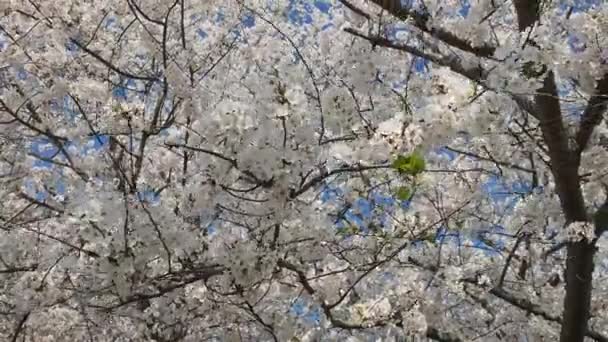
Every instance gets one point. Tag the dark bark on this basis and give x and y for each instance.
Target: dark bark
(20, 326)
(420, 21)
(527, 13)
(565, 159)
(593, 114)
(564, 164)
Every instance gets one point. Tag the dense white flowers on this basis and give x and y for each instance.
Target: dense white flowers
(579, 231)
(297, 170)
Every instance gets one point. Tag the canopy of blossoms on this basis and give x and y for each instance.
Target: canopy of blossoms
(294, 170)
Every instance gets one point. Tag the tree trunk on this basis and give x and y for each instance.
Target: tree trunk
(564, 158)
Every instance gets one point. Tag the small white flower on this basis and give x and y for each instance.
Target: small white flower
(414, 321)
(579, 231)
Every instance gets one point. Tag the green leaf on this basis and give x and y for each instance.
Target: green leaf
(430, 237)
(403, 193)
(459, 224)
(531, 69)
(348, 230)
(399, 163)
(411, 164)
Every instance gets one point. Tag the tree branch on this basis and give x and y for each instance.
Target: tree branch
(20, 326)
(579, 264)
(528, 13)
(421, 20)
(592, 115)
(432, 332)
(519, 302)
(318, 179)
(355, 9)
(110, 65)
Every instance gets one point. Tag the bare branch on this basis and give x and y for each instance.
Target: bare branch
(420, 20)
(593, 114)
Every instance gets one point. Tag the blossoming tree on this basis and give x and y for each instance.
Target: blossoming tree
(192, 170)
